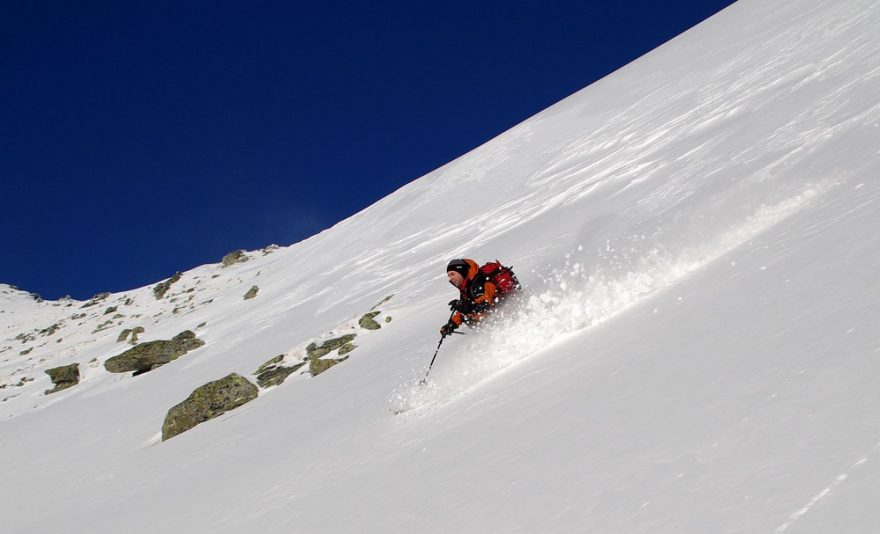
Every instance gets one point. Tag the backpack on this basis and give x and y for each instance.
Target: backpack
(502, 277)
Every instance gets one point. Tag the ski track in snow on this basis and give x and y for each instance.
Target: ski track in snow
(826, 492)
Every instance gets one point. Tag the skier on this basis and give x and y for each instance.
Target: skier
(480, 290)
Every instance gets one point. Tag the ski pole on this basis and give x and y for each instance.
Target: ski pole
(430, 365)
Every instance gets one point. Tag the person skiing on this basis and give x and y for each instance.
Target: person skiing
(480, 290)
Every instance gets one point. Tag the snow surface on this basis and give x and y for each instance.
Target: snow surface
(697, 351)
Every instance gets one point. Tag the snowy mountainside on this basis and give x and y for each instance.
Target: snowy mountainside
(697, 350)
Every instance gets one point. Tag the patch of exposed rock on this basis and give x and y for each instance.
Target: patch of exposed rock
(314, 351)
(252, 292)
(207, 402)
(161, 288)
(318, 366)
(272, 373)
(152, 354)
(134, 332)
(236, 256)
(63, 377)
(368, 321)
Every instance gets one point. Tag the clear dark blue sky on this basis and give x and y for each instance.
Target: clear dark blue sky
(138, 139)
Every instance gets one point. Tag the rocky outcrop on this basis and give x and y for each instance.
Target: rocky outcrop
(207, 402)
(345, 349)
(270, 364)
(272, 373)
(130, 331)
(96, 299)
(152, 354)
(63, 377)
(314, 351)
(51, 329)
(368, 321)
(276, 376)
(252, 292)
(123, 335)
(161, 288)
(236, 256)
(318, 366)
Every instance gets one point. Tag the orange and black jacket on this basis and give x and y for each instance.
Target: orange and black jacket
(479, 292)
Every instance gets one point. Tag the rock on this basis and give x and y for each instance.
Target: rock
(383, 301)
(109, 310)
(388, 319)
(272, 373)
(269, 249)
(252, 292)
(161, 288)
(317, 366)
(276, 375)
(134, 334)
(152, 354)
(270, 364)
(51, 330)
(63, 377)
(25, 352)
(123, 335)
(236, 256)
(207, 402)
(186, 334)
(96, 299)
(328, 346)
(103, 326)
(345, 349)
(368, 322)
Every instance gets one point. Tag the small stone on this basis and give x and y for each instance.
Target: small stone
(252, 292)
(368, 321)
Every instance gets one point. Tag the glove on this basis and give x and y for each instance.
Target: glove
(462, 306)
(448, 329)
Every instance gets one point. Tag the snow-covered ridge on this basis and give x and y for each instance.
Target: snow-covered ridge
(696, 351)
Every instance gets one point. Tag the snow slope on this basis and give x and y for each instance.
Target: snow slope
(698, 351)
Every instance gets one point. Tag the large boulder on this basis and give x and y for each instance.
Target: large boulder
(63, 377)
(207, 402)
(152, 354)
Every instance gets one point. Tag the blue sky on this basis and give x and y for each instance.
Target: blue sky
(138, 139)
